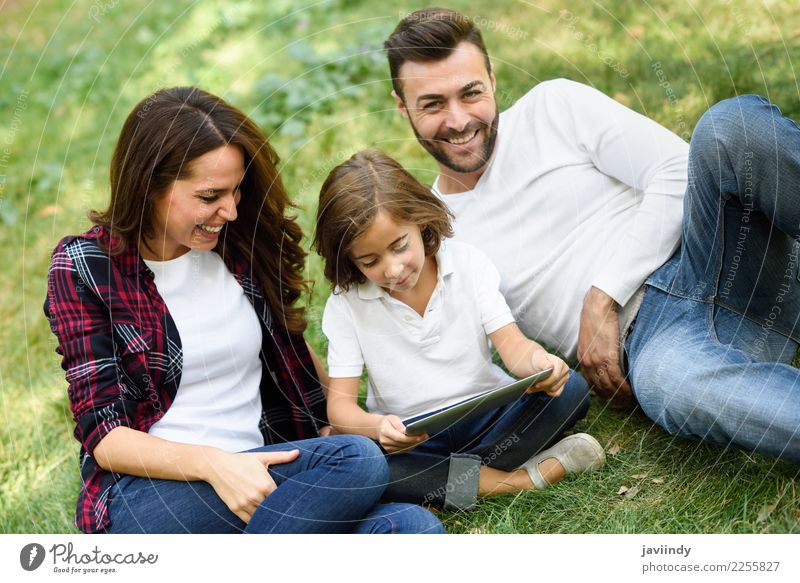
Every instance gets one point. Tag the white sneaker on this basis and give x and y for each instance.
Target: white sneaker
(579, 453)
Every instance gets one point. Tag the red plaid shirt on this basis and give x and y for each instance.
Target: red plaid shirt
(123, 360)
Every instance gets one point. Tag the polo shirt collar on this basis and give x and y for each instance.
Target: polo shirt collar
(371, 291)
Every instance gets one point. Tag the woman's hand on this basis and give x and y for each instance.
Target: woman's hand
(242, 481)
(392, 436)
(554, 384)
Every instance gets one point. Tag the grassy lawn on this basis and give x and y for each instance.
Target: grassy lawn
(312, 75)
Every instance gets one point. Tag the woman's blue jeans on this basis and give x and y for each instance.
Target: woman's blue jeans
(711, 348)
(444, 470)
(333, 486)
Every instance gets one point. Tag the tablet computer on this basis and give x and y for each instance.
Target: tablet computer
(436, 421)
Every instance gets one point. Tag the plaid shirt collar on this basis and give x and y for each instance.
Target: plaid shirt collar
(130, 261)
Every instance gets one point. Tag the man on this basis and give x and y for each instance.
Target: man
(580, 201)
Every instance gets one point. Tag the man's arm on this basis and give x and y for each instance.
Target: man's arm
(648, 158)
(637, 152)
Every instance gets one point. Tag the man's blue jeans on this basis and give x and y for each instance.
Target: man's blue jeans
(444, 470)
(711, 348)
(333, 486)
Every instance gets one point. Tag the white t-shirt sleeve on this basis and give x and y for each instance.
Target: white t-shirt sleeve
(493, 307)
(638, 152)
(345, 359)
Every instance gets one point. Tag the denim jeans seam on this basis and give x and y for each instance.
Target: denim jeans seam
(712, 331)
(392, 524)
(712, 336)
(775, 327)
(678, 294)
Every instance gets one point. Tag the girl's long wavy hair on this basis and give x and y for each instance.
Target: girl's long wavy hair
(161, 138)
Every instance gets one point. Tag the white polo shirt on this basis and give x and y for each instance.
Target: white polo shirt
(419, 363)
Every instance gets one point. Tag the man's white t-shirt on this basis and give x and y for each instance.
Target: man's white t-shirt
(418, 364)
(580, 192)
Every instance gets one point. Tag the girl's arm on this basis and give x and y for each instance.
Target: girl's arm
(524, 357)
(347, 417)
(324, 381)
(239, 479)
(322, 374)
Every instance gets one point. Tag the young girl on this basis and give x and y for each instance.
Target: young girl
(417, 312)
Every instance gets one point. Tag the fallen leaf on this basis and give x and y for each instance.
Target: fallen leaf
(631, 493)
(622, 490)
(658, 480)
(639, 476)
(614, 449)
(764, 514)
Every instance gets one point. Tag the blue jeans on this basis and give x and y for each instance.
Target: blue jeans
(444, 470)
(711, 348)
(333, 486)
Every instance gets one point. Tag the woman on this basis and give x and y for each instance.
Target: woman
(181, 343)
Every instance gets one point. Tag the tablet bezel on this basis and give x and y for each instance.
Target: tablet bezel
(436, 421)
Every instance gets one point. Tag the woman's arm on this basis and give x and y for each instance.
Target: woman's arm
(239, 479)
(347, 417)
(524, 357)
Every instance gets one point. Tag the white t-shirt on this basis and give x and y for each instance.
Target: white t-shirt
(419, 363)
(581, 191)
(218, 402)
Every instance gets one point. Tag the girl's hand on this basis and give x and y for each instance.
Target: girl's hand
(242, 481)
(554, 384)
(392, 436)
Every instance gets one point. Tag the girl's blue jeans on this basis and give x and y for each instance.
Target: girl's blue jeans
(333, 486)
(444, 470)
(711, 348)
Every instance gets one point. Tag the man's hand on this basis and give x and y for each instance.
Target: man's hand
(598, 346)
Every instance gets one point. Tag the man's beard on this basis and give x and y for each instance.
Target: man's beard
(436, 148)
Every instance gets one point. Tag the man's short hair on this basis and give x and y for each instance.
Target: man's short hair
(427, 35)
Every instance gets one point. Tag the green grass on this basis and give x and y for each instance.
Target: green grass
(312, 76)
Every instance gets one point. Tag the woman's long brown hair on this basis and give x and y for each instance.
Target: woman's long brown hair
(161, 137)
